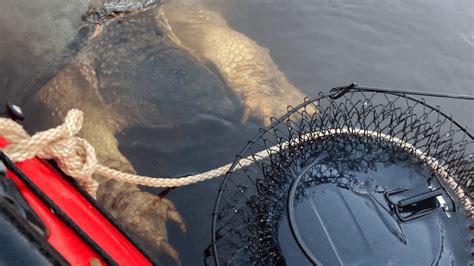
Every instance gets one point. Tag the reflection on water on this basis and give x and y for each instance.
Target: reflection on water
(318, 44)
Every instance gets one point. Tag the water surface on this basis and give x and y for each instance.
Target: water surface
(412, 45)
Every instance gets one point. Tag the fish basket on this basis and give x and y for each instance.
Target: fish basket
(355, 176)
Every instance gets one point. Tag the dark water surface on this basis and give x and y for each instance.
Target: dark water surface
(34, 40)
(412, 45)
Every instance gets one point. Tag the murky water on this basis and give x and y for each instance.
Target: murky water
(413, 45)
(417, 45)
(34, 36)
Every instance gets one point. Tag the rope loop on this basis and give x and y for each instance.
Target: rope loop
(75, 156)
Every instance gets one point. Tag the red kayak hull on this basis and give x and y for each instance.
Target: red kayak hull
(77, 207)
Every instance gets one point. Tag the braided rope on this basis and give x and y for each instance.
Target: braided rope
(76, 157)
(430, 161)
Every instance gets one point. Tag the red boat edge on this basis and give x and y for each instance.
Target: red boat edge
(75, 226)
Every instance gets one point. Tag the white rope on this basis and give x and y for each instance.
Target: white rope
(76, 157)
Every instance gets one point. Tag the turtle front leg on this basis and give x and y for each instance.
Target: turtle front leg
(145, 215)
(250, 71)
(245, 66)
(142, 213)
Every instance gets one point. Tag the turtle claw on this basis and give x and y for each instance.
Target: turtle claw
(170, 212)
(145, 215)
(265, 107)
(170, 251)
(246, 115)
(177, 218)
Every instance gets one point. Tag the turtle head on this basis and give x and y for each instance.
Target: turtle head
(100, 11)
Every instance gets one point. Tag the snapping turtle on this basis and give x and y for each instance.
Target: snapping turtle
(159, 65)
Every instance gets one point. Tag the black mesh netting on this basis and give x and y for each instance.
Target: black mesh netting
(374, 178)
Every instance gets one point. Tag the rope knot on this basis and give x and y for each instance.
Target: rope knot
(74, 155)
